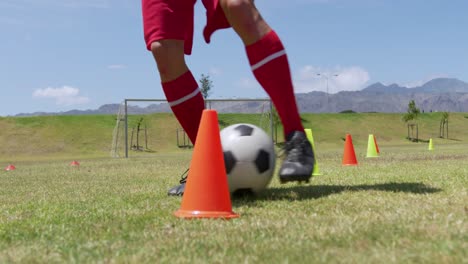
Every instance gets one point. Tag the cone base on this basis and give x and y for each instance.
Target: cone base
(316, 171)
(372, 156)
(204, 214)
(349, 164)
(10, 168)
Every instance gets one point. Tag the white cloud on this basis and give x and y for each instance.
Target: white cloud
(310, 78)
(116, 66)
(65, 95)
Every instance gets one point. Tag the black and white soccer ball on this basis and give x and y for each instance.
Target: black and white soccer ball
(249, 157)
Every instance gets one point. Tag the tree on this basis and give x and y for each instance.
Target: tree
(443, 122)
(412, 112)
(206, 85)
(412, 115)
(138, 129)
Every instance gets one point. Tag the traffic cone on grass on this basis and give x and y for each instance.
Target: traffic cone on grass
(206, 192)
(316, 171)
(376, 145)
(10, 167)
(74, 163)
(372, 147)
(431, 145)
(349, 156)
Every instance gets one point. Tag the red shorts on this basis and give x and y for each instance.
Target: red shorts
(173, 19)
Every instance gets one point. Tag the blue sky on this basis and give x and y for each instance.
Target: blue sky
(58, 55)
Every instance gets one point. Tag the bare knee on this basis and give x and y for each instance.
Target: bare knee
(237, 8)
(245, 19)
(170, 58)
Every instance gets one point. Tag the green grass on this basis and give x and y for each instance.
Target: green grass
(72, 137)
(55, 136)
(407, 206)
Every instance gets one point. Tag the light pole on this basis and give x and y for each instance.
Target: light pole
(328, 94)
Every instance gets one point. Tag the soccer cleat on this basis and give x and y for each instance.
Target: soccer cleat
(178, 190)
(299, 162)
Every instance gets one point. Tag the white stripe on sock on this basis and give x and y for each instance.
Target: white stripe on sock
(185, 98)
(268, 59)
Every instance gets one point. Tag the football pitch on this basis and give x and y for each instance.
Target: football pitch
(407, 206)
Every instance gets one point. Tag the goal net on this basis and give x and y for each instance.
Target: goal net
(146, 126)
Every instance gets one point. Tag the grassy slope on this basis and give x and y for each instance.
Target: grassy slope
(91, 136)
(55, 136)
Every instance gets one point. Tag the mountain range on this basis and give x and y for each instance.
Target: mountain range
(441, 94)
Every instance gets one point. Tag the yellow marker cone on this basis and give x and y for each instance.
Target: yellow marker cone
(431, 145)
(371, 148)
(316, 171)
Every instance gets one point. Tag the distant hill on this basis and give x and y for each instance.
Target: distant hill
(106, 109)
(441, 94)
(436, 86)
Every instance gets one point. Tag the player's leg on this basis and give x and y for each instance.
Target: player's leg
(168, 28)
(180, 87)
(270, 66)
(181, 90)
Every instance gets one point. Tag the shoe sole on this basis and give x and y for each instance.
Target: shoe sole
(175, 194)
(297, 178)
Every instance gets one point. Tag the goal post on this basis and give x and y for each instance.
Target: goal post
(258, 112)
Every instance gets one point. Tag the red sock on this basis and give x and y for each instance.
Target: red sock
(186, 101)
(270, 66)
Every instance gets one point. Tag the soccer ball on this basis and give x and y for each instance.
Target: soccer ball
(249, 157)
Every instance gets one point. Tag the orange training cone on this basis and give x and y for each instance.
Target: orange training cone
(206, 192)
(74, 163)
(349, 156)
(10, 167)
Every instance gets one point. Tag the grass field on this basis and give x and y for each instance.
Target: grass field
(407, 206)
(72, 137)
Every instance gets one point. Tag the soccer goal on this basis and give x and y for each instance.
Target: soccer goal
(145, 126)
